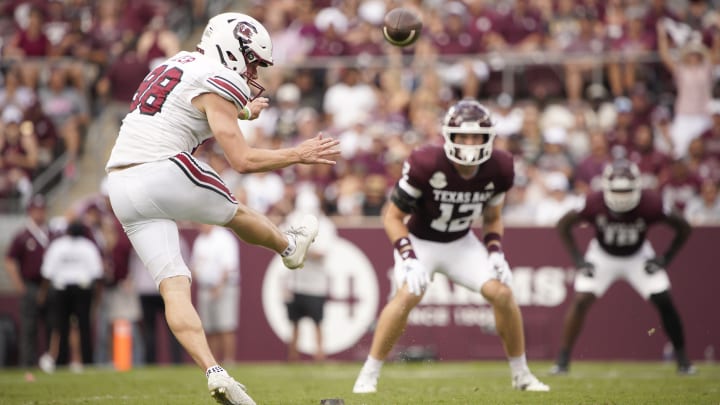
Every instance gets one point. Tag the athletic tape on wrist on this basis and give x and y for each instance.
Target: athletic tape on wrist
(493, 237)
(247, 113)
(404, 248)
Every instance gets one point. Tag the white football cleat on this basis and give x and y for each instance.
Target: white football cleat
(366, 383)
(526, 381)
(225, 390)
(304, 234)
(47, 363)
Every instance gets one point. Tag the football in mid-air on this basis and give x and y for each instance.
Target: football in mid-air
(402, 26)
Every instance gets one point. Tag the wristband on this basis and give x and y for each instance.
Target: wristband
(247, 113)
(493, 237)
(404, 248)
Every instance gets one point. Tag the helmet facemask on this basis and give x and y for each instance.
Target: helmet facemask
(469, 154)
(468, 117)
(251, 57)
(621, 188)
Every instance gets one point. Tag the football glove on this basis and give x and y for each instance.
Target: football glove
(416, 277)
(585, 268)
(655, 264)
(501, 267)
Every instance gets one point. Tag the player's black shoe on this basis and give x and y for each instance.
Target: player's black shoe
(686, 369)
(559, 369)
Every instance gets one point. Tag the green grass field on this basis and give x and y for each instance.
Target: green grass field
(426, 383)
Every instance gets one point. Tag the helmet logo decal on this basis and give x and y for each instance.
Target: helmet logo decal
(438, 180)
(244, 31)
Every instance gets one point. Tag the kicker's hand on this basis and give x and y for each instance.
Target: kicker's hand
(256, 106)
(416, 277)
(501, 267)
(318, 150)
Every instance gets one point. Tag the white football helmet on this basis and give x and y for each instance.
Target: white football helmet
(236, 40)
(621, 185)
(468, 117)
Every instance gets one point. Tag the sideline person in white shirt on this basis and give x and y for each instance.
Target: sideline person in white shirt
(72, 265)
(216, 269)
(307, 290)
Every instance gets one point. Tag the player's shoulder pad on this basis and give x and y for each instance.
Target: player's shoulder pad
(425, 153)
(227, 84)
(425, 157)
(503, 157)
(503, 165)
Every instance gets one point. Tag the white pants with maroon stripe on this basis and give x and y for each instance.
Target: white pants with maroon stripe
(149, 198)
(609, 268)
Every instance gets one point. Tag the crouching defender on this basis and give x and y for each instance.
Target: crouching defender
(443, 190)
(621, 214)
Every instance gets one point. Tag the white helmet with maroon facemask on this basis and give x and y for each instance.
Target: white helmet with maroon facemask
(237, 40)
(468, 117)
(621, 185)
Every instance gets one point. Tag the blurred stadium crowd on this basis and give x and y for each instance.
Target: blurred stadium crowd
(59, 70)
(571, 83)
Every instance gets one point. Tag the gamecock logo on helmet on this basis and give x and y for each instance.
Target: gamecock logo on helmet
(244, 31)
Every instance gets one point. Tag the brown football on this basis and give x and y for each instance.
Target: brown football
(402, 26)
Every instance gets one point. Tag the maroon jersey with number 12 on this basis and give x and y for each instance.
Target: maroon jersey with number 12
(446, 203)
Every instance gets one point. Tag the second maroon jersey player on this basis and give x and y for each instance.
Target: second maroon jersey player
(621, 215)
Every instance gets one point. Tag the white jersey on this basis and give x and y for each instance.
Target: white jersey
(162, 121)
(72, 261)
(214, 254)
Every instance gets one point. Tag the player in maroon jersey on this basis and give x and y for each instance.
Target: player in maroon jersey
(621, 214)
(443, 190)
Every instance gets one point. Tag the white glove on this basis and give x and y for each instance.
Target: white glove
(415, 276)
(501, 267)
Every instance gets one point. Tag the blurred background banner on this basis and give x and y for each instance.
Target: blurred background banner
(453, 324)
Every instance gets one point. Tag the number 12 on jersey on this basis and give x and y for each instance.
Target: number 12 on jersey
(446, 223)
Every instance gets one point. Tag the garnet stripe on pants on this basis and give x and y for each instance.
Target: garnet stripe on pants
(205, 171)
(201, 177)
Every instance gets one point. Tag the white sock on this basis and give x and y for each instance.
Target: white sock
(290, 249)
(518, 364)
(373, 365)
(215, 369)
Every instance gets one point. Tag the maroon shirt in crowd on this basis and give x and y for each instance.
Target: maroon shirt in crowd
(33, 47)
(679, 185)
(125, 74)
(711, 139)
(519, 23)
(27, 249)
